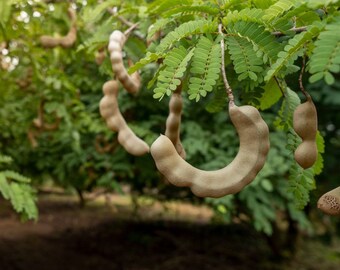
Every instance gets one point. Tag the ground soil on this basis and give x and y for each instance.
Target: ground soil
(155, 236)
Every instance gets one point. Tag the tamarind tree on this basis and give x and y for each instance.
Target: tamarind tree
(272, 51)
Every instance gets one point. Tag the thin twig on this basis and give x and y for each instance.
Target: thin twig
(295, 29)
(132, 27)
(302, 88)
(224, 75)
(279, 85)
(125, 21)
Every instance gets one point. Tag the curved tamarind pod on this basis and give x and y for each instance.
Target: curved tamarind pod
(305, 123)
(115, 47)
(49, 41)
(329, 203)
(66, 41)
(109, 110)
(173, 122)
(69, 40)
(253, 150)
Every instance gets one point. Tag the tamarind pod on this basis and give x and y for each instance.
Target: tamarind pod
(329, 203)
(49, 42)
(305, 124)
(254, 147)
(116, 43)
(109, 110)
(69, 40)
(173, 122)
(132, 144)
(117, 37)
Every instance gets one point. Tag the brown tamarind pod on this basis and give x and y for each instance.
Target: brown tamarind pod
(253, 150)
(66, 41)
(173, 122)
(305, 123)
(49, 41)
(109, 110)
(115, 47)
(329, 203)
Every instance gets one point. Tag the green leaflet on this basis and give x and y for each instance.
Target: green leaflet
(284, 119)
(325, 59)
(159, 6)
(187, 9)
(184, 30)
(320, 142)
(169, 78)
(249, 15)
(292, 50)
(264, 43)
(271, 95)
(246, 62)
(301, 182)
(14, 187)
(321, 3)
(206, 67)
(277, 9)
(157, 26)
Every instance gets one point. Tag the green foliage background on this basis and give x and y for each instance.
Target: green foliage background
(265, 44)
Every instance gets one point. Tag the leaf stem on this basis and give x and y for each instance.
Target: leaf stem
(224, 75)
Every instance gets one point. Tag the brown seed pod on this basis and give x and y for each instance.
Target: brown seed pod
(115, 47)
(329, 203)
(173, 121)
(109, 110)
(305, 124)
(254, 147)
(66, 41)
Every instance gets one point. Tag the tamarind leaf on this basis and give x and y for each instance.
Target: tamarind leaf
(175, 65)
(325, 56)
(186, 29)
(319, 164)
(292, 51)
(15, 176)
(244, 58)
(4, 187)
(159, 6)
(205, 67)
(278, 8)
(271, 95)
(264, 43)
(321, 3)
(192, 9)
(247, 14)
(284, 119)
(157, 26)
(149, 58)
(301, 182)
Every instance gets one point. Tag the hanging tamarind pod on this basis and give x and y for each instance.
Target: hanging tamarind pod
(329, 203)
(173, 121)
(66, 41)
(115, 47)
(109, 110)
(254, 147)
(305, 124)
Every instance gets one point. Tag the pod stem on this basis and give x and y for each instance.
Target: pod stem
(302, 88)
(130, 29)
(224, 75)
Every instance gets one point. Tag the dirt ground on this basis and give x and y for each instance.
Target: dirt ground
(171, 236)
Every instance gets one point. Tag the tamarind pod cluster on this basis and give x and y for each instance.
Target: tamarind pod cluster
(173, 122)
(66, 41)
(109, 110)
(329, 203)
(305, 124)
(115, 47)
(253, 150)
